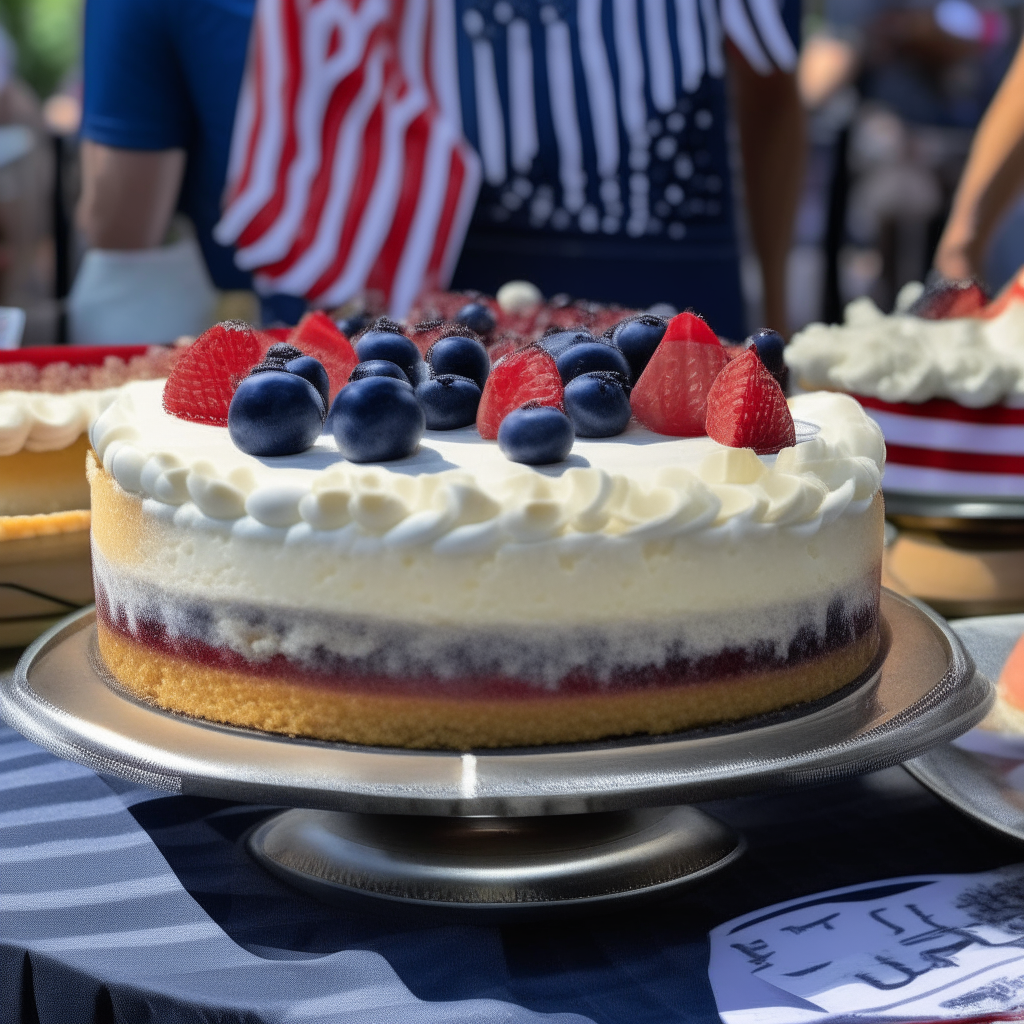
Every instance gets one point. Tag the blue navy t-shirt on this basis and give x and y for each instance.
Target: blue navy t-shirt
(165, 74)
(606, 172)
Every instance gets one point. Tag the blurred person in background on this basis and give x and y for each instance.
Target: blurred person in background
(923, 73)
(991, 182)
(26, 182)
(600, 128)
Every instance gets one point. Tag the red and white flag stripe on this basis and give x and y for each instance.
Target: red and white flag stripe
(349, 169)
(942, 447)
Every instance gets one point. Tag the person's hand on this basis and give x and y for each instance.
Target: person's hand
(956, 257)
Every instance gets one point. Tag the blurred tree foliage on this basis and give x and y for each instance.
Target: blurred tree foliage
(47, 34)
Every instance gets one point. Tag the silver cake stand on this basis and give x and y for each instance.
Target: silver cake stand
(508, 830)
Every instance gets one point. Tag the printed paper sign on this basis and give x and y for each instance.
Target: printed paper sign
(931, 947)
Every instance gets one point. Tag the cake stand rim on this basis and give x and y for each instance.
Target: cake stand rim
(206, 760)
(972, 511)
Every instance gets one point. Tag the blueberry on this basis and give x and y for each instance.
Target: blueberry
(637, 339)
(312, 370)
(536, 435)
(449, 401)
(377, 419)
(557, 342)
(770, 345)
(275, 413)
(397, 348)
(597, 404)
(281, 352)
(350, 326)
(477, 316)
(377, 368)
(420, 373)
(462, 356)
(590, 357)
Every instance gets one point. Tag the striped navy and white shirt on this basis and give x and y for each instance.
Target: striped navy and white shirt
(367, 130)
(601, 123)
(593, 116)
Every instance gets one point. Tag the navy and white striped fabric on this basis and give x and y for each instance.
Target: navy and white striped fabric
(95, 925)
(121, 905)
(606, 117)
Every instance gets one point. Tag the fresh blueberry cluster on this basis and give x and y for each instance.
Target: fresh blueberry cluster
(391, 397)
(280, 407)
(596, 375)
(393, 393)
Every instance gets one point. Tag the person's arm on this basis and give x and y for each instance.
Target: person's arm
(128, 195)
(993, 177)
(827, 64)
(772, 137)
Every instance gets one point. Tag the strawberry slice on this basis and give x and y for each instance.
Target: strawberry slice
(672, 393)
(946, 300)
(690, 327)
(747, 409)
(529, 375)
(203, 381)
(317, 335)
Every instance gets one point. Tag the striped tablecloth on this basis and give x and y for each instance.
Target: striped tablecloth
(126, 904)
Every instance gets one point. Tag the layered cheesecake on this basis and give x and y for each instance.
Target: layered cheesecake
(456, 599)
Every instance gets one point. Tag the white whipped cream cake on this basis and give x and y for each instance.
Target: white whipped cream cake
(947, 393)
(454, 598)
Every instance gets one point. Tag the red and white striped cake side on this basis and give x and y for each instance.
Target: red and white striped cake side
(942, 447)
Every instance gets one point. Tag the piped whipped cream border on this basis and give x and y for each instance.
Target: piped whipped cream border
(456, 512)
(903, 358)
(36, 421)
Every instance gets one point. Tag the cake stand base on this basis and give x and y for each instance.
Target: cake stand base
(508, 865)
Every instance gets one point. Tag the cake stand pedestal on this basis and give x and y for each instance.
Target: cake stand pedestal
(492, 862)
(509, 831)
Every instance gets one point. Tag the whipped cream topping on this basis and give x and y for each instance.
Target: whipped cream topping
(903, 358)
(458, 495)
(35, 421)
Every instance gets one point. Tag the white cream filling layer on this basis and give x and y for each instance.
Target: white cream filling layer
(35, 421)
(901, 358)
(541, 652)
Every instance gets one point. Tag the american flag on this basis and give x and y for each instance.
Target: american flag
(350, 168)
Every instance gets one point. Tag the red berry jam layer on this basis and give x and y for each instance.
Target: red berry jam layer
(381, 657)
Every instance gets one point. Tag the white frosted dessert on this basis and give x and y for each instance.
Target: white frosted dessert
(948, 394)
(972, 361)
(42, 449)
(456, 599)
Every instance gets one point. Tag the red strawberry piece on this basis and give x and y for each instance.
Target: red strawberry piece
(203, 381)
(946, 300)
(747, 409)
(529, 375)
(317, 335)
(690, 327)
(672, 393)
